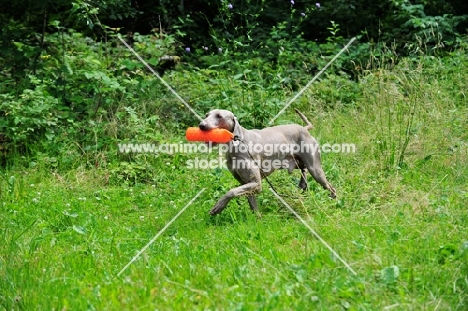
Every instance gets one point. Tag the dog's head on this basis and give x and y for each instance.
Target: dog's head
(220, 119)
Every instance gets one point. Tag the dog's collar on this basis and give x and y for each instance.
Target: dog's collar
(237, 138)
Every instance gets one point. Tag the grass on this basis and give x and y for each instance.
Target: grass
(400, 220)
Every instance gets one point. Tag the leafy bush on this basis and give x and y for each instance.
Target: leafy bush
(32, 116)
(434, 33)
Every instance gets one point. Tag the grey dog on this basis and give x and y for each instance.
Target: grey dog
(255, 154)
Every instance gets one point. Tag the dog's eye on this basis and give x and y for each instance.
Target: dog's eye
(218, 116)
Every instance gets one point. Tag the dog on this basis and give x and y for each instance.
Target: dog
(250, 157)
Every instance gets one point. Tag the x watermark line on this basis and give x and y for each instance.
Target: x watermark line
(313, 79)
(160, 232)
(314, 233)
(159, 77)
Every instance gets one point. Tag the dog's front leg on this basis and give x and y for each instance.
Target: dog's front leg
(247, 189)
(253, 203)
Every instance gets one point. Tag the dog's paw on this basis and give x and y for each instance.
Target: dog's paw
(218, 208)
(332, 190)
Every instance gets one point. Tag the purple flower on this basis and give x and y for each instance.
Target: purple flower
(317, 5)
(230, 6)
(187, 49)
(292, 2)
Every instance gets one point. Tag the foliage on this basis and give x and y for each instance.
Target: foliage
(433, 32)
(30, 116)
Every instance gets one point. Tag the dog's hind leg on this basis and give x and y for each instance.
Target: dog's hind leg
(303, 181)
(319, 175)
(313, 164)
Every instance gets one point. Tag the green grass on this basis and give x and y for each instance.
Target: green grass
(400, 219)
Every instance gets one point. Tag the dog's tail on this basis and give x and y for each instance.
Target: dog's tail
(303, 117)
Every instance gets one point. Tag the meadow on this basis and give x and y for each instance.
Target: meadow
(71, 221)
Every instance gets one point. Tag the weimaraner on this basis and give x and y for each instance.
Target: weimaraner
(257, 153)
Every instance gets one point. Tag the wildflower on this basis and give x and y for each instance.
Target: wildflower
(292, 2)
(220, 50)
(205, 48)
(302, 14)
(317, 5)
(230, 6)
(187, 49)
